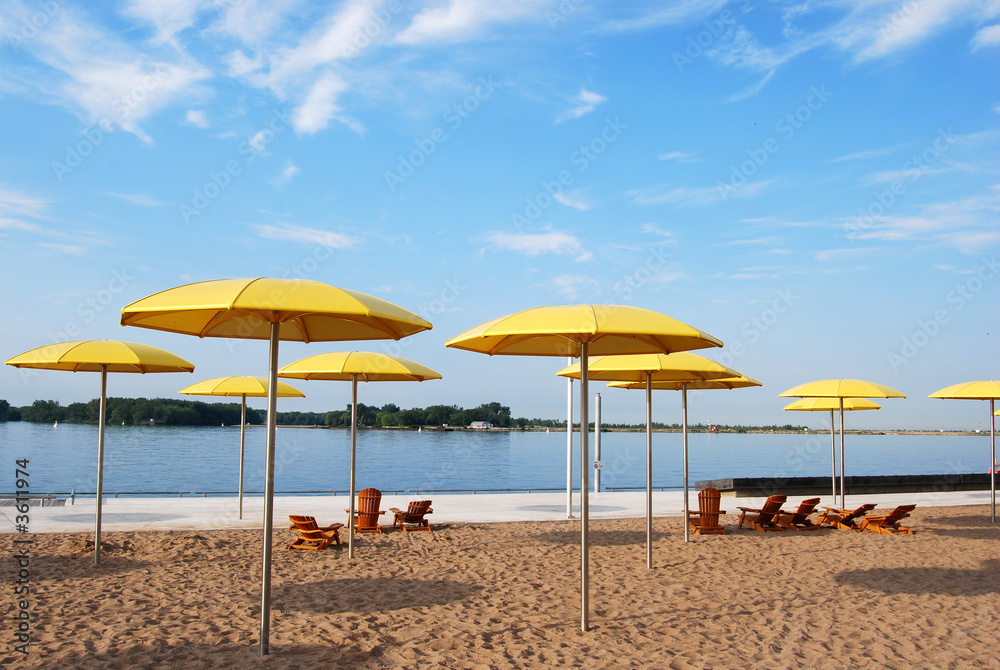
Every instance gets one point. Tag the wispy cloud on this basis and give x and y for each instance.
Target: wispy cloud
(753, 89)
(571, 287)
(461, 20)
(287, 174)
(684, 195)
(870, 153)
(678, 156)
(140, 199)
(585, 102)
(572, 199)
(320, 107)
(196, 117)
(683, 11)
(987, 37)
(291, 233)
(167, 18)
(535, 244)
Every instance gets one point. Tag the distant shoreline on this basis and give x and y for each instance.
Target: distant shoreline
(749, 431)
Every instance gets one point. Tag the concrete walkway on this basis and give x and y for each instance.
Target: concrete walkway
(221, 512)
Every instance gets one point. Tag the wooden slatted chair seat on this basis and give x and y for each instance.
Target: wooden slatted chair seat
(706, 520)
(887, 524)
(844, 519)
(413, 516)
(765, 518)
(311, 535)
(799, 519)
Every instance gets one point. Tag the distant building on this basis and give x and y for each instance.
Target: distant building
(480, 425)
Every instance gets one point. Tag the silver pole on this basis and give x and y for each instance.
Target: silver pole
(272, 415)
(243, 430)
(597, 440)
(684, 416)
(354, 443)
(842, 506)
(102, 414)
(584, 491)
(993, 460)
(833, 456)
(569, 444)
(649, 471)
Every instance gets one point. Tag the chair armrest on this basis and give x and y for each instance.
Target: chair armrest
(394, 510)
(749, 509)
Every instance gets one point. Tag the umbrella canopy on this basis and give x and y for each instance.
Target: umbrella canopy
(735, 381)
(981, 390)
(274, 310)
(243, 386)
(841, 389)
(102, 356)
(578, 331)
(831, 405)
(647, 368)
(355, 366)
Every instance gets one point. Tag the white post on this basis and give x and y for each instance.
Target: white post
(243, 431)
(993, 461)
(569, 444)
(354, 442)
(102, 414)
(272, 415)
(684, 415)
(833, 456)
(584, 492)
(597, 440)
(842, 506)
(649, 471)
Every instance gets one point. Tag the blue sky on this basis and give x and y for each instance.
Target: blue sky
(817, 184)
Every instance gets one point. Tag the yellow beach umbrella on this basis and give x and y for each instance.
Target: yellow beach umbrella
(831, 405)
(981, 390)
(735, 381)
(355, 366)
(102, 356)
(841, 389)
(681, 366)
(579, 331)
(272, 309)
(244, 387)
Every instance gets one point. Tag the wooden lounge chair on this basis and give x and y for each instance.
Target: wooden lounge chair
(706, 520)
(367, 512)
(844, 518)
(763, 519)
(887, 524)
(799, 519)
(413, 516)
(311, 535)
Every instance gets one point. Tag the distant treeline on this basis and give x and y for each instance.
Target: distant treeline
(177, 412)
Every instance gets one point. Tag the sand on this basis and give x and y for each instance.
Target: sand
(506, 595)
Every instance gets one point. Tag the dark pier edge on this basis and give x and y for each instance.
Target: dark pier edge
(752, 487)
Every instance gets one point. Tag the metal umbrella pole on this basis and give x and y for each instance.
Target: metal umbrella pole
(569, 446)
(842, 506)
(272, 406)
(354, 443)
(833, 457)
(993, 462)
(649, 471)
(243, 431)
(100, 460)
(684, 415)
(597, 442)
(584, 493)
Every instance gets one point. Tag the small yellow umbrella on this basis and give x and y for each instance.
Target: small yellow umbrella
(831, 404)
(734, 382)
(841, 389)
(981, 390)
(254, 387)
(681, 366)
(579, 331)
(102, 356)
(270, 309)
(355, 366)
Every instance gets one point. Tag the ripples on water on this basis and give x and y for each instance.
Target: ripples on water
(163, 458)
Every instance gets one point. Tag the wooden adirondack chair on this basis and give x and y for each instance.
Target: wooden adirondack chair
(763, 519)
(887, 524)
(799, 519)
(311, 535)
(706, 520)
(844, 518)
(413, 516)
(367, 512)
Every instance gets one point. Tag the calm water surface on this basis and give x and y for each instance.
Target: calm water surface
(162, 458)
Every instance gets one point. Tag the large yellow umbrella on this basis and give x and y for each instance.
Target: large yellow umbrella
(242, 386)
(841, 389)
(682, 385)
(273, 309)
(355, 366)
(579, 331)
(102, 356)
(831, 404)
(981, 390)
(682, 366)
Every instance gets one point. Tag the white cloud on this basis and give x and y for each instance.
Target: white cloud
(870, 153)
(836, 255)
(987, 37)
(320, 107)
(534, 244)
(140, 199)
(679, 156)
(286, 175)
(586, 102)
(460, 20)
(572, 199)
(74, 249)
(291, 233)
(682, 11)
(197, 117)
(707, 195)
(168, 18)
(752, 90)
(572, 287)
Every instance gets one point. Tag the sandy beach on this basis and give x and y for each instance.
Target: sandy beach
(505, 595)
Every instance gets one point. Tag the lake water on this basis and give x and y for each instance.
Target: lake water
(162, 458)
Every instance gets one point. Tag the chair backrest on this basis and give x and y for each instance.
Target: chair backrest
(303, 522)
(418, 507)
(771, 507)
(859, 512)
(368, 502)
(806, 507)
(709, 501)
(897, 514)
